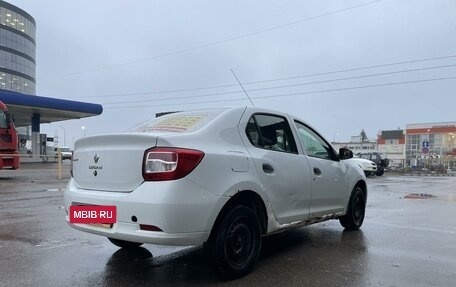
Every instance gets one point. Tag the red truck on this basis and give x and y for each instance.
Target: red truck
(8, 140)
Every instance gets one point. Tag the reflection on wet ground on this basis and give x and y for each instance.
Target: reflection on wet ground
(403, 242)
(285, 256)
(420, 196)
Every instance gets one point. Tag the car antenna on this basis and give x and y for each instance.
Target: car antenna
(242, 88)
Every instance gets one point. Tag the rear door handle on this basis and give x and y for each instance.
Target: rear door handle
(267, 168)
(317, 171)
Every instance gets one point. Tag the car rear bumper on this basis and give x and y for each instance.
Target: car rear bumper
(131, 232)
(183, 210)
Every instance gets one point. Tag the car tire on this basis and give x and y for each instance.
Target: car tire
(354, 217)
(237, 243)
(380, 172)
(124, 244)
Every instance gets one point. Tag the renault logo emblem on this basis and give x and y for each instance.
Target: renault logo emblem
(96, 158)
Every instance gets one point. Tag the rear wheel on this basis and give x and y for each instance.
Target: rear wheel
(380, 172)
(237, 242)
(124, 244)
(354, 217)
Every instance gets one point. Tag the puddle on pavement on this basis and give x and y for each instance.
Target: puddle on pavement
(10, 237)
(50, 189)
(54, 189)
(420, 196)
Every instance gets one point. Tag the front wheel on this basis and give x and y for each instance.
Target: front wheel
(237, 243)
(124, 244)
(380, 172)
(354, 217)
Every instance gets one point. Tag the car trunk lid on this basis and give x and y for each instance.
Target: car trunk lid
(111, 162)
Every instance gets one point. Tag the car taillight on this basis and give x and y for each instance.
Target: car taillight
(162, 163)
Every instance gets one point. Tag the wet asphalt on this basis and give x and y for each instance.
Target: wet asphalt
(403, 242)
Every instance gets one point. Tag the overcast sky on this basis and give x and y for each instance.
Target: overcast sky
(127, 55)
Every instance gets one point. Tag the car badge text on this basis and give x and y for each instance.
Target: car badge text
(95, 167)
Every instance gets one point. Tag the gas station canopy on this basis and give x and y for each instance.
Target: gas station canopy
(24, 107)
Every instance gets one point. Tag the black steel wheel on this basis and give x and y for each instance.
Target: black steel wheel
(237, 244)
(354, 217)
(124, 244)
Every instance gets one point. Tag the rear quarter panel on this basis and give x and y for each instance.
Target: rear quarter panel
(226, 168)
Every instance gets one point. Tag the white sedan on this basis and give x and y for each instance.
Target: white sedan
(220, 177)
(369, 167)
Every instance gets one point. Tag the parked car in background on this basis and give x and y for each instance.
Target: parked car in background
(379, 158)
(220, 177)
(369, 167)
(65, 152)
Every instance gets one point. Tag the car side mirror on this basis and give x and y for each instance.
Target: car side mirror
(345, 153)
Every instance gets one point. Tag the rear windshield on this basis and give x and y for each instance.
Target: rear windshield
(178, 122)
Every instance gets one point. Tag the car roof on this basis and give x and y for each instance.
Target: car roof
(197, 119)
(192, 120)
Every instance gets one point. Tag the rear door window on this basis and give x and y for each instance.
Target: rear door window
(270, 132)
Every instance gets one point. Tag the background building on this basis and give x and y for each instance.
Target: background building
(17, 57)
(431, 142)
(18, 84)
(392, 144)
(358, 144)
(17, 50)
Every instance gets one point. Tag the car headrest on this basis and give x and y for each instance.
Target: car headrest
(268, 136)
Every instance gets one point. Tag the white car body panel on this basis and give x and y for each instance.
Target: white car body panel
(161, 209)
(118, 166)
(328, 188)
(288, 186)
(186, 209)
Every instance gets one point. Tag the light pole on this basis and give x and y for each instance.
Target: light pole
(453, 151)
(64, 135)
(453, 143)
(429, 150)
(83, 128)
